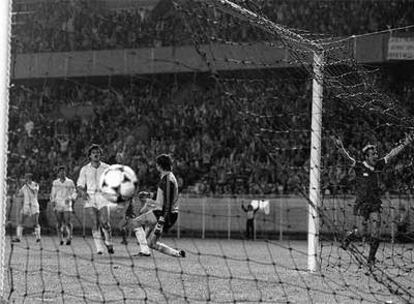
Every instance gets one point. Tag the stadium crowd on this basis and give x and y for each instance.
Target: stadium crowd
(57, 26)
(51, 125)
(215, 145)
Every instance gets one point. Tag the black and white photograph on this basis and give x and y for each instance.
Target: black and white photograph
(207, 151)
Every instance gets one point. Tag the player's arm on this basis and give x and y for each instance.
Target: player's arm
(73, 193)
(53, 195)
(243, 207)
(169, 190)
(144, 209)
(340, 146)
(397, 150)
(81, 184)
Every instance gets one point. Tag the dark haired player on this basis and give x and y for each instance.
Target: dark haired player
(96, 205)
(368, 192)
(62, 195)
(28, 197)
(163, 213)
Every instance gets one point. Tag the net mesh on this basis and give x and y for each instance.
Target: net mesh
(237, 118)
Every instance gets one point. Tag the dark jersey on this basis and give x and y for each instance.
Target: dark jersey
(367, 182)
(167, 194)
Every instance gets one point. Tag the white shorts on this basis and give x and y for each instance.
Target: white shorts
(30, 209)
(96, 200)
(63, 207)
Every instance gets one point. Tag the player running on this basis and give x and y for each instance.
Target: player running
(27, 195)
(62, 195)
(96, 205)
(162, 212)
(368, 201)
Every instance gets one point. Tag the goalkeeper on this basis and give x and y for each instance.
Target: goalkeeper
(162, 212)
(368, 202)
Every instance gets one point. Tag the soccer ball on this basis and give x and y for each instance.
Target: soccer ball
(118, 183)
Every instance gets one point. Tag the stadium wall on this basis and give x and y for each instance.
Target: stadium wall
(223, 217)
(366, 49)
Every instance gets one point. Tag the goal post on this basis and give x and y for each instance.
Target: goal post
(315, 163)
(4, 83)
(249, 107)
(317, 54)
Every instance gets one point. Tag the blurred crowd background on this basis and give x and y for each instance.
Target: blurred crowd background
(52, 122)
(64, 26)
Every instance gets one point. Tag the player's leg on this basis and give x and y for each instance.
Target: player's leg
(59, 225)
(19, 227)
(154, 242)
(375, 224)
(104, 223)
(251, 229)
(36, 226)
(67, 220)
(148, 219)
(364, 234)
(352, 235)
(247, 232)
(96, 233)
(123, 228)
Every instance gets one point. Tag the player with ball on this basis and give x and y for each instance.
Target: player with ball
(96, 204)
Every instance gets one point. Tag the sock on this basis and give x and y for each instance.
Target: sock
(141, 238)
(97, 238)
(152, 238)
(59, 232)
(166, 249)
(19, 232)
(69, 232)
(124, 234)
(107, 232)
(37, 231)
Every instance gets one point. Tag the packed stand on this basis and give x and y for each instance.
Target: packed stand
(219, 146)
(62, 26)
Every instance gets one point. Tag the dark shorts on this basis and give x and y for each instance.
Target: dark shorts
(365, 208)
(169, 221)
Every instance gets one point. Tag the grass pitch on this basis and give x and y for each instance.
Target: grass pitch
(214, 271)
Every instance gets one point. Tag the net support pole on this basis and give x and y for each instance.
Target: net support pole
(5, 20)
(315, 163)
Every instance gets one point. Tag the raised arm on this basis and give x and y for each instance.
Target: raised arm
(340, 146)
(73, 192)
(394, 152)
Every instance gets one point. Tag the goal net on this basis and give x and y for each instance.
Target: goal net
(250, 109)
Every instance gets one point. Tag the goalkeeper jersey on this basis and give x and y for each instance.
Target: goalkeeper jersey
(167, 194)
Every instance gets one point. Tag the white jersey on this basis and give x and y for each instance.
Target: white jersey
(89, 178)
(62, 194)
(29, 193)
